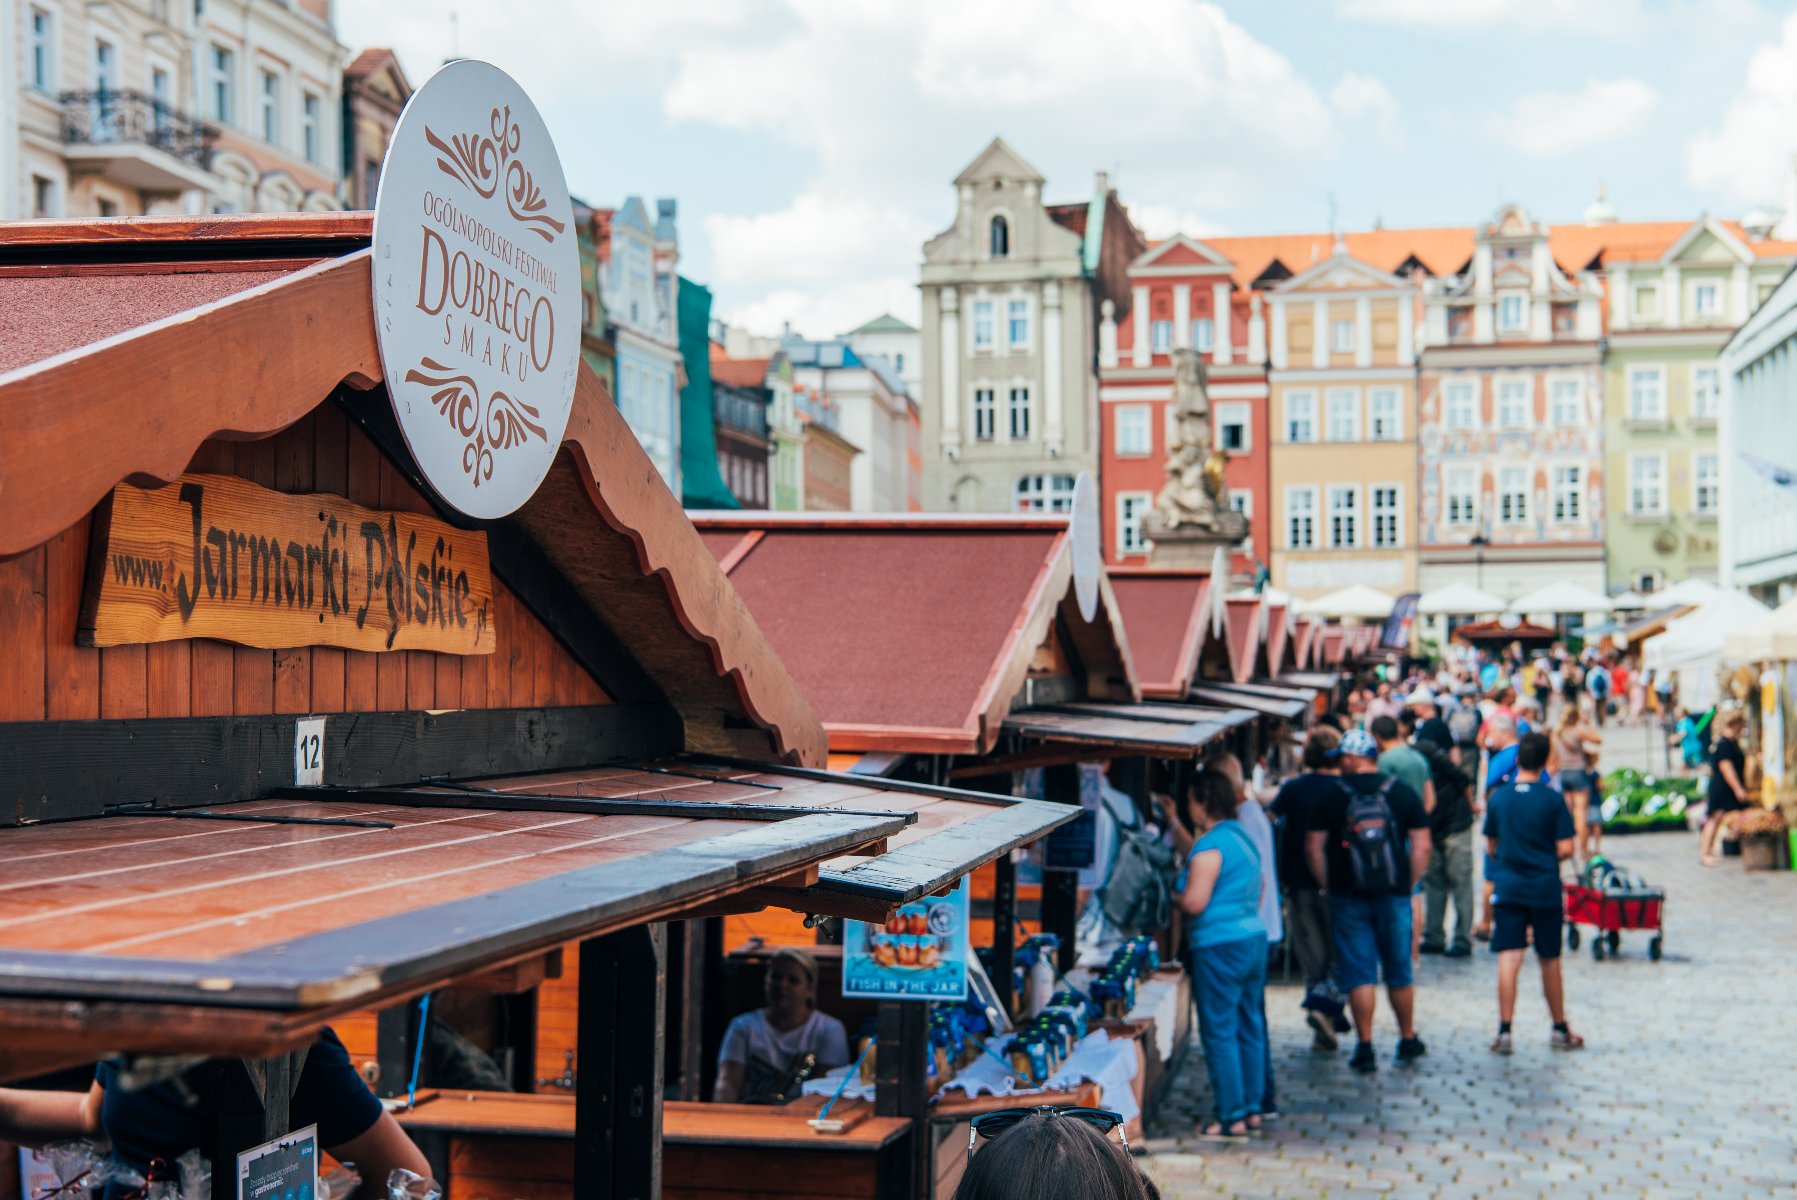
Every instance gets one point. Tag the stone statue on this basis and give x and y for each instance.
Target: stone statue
(1193, 502)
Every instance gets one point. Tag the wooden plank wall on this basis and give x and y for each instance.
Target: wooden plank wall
(44, 675)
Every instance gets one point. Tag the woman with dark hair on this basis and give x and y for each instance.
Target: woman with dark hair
(1226, 955)
(1049, 1156)
(1728, 787)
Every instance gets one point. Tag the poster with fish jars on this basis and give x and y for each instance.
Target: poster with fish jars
(919, 953)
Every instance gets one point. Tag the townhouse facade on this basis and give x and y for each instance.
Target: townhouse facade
(375, 91)
(872, 413)
(639, 287)
(897, 342)
(153, 106)
(1511, 400)
(1183, 295)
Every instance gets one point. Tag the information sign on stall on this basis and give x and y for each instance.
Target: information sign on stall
(477, 288)
(284, 1169)
(919, 954)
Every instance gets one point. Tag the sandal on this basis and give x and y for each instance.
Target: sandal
(1216, 1131)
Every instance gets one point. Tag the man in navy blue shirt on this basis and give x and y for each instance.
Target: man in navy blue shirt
(1528, 832)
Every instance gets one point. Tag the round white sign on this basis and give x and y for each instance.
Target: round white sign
(1088, 554)
(477, 288)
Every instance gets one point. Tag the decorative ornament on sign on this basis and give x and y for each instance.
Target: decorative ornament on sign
(477, 288)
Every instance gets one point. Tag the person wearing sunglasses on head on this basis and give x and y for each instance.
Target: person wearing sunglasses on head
(1047, 1153)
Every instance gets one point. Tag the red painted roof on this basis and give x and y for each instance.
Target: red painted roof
(367, 62)
(1165, 615)
(1242, 619)
(737, 372)
(1278, 638)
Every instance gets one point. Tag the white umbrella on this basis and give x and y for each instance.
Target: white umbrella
(1685, 591)
(1356, 600)
(1770, 639)
(1629, 601)
(1459, 600)
(1561, 597)
(1696, 639)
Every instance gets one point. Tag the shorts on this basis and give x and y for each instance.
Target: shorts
(1575, 781)
(1372, 939)
(1511, 923)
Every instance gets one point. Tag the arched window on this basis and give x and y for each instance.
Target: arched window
(1001, 237)
(1044, 493)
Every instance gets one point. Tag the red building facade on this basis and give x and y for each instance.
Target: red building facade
(1184, 294)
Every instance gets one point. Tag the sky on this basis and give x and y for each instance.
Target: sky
(811, 144)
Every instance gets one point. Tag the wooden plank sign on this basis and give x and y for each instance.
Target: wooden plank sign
(215, 556)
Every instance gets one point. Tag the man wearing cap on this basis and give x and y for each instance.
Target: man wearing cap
(1368, 844)
(1429, 725)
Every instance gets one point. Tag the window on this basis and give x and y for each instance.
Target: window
(1018, 320)
(1020, 414)
(1300, 416)
(1160, 336)
(1462, 495)
(1204, 335)
(1382, 414)
(106, 208)
(1133, 438)
(1513, 495)
(1044, 493)
(999, 238)
(1344, 516)
(1232, 426)
(223, 83)
(1647, 393)
(1706, 393)
(1341, 337)
(1131, 508)
(1243, 503)
(1569, 493)
(1387, 532)
(371, 181)
(1649, 581)
(1566, 403)
(1706, 300)
(985, 415)
(982, 325)
(1460, 405)
(310, 107)
(106, 61)
(1647, 300)
(1647, 485)
(43, 51)
(271, 107)
(1510, 313)
(1706, 493)
(1301, 518)
(898, 363)
(1344, 414)
(1512, 403)
(159, 93)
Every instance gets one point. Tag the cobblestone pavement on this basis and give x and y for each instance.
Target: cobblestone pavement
(1685, 1089)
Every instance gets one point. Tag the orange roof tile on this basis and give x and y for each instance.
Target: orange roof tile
(737, 372)
(1442, 250)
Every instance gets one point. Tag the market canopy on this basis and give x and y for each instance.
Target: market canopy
(1683, 593)
(1695, 640)
(1171, 620)
(1459, 600)
(1629, 601)
(1357, 601)
(1773, 638)
(1561, 598)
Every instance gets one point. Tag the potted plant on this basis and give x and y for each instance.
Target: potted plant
(1763, 842)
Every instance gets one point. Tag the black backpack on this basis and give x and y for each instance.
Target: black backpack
(1372, 842)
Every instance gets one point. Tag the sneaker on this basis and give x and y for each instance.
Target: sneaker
(1410, 1049)
(1325, 1034)
(1342, 1024)
(1457, 951)
(1504, 1045)
(1432, 948)
(1365, 1060)
(1568, 1041)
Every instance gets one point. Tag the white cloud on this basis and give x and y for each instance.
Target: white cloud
(1745, 157)
(1363, 98)
(1165, 220)
(1457, 16)
(1549, 124)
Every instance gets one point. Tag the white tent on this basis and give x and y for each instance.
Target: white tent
(1692, 645)
(1561, 598)
(1629, 601)
(1685, 591)
(1459, 600)
(1771, 639)
(1357, 600)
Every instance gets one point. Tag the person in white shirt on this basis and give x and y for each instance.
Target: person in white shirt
(760, 1057)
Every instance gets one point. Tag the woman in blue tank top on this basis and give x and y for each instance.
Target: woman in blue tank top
(1226, 955)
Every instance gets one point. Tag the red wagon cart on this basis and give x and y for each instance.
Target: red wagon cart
(1611, 907)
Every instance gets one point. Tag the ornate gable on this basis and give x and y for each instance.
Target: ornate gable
(1182, 251)
(1342, 273)
(999, 161)
(1706, 241)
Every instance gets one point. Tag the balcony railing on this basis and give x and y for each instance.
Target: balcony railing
(106, 117)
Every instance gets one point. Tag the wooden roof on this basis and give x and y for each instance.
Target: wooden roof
(1167, 617)
(126, 343)
(917, 633)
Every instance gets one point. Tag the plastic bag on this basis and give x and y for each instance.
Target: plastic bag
(340, 1183)
(80, 1168)
(407, 1185)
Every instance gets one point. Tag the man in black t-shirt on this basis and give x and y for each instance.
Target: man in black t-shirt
(1372, 930)
(1420, 706)
(1450, 873)
(1307, 932)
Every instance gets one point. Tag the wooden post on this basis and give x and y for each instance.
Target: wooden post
(1060, 887)
(250, 1099)
(1004, 930)
(689, 1034)
(396, 1029)
(900, 1066)
(617, 1090)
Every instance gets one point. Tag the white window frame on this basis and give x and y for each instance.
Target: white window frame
(1700, 460)
(1204, 335)
(41, 35)
(1706, 402)
(1352, 512)
(1129, 525)
(1453, 512)
(1644, 299)
(221, 80)
(1566, 496)
(985, 414)
(1636, 486)
(1352, 410)
(1392, 422)
(1160, 336)
(1394, 513)
(1242, 501)
(1133, 426)
(1498, 411)
(1020, 413)
(983, 328)
(1556, 417)
(1236, 413)
(1506, 474)
(1301, 406)
(1307, 512)
(1344, 334)
(1013, 317)
(1043, 493)
(1713, 311)
(1467, 389)
(311, 126)
(1504, 303)
(1643, 372)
